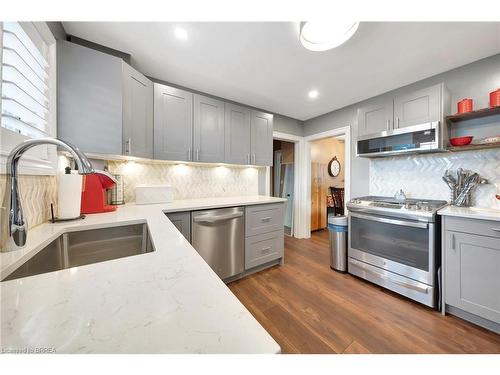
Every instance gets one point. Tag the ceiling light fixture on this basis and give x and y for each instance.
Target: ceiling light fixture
(313, 94)
(181, 33)
(322, 36)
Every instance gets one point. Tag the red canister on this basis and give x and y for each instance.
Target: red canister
(464, 106)
(495, 98)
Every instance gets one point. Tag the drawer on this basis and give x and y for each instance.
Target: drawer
(264, 218)
(263, 248)
(488, 228)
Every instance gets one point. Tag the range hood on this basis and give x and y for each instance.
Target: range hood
(427, 137)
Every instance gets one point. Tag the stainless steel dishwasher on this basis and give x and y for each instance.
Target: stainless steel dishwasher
(219, 237)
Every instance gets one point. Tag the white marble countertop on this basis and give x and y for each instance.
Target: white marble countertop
(166, 301)
(471, 212)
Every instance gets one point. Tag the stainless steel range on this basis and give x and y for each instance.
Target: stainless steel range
(395, 243)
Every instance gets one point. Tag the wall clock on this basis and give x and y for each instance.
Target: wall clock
(334, 167)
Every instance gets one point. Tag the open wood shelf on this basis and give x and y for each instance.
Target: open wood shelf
(473, 147)
(473, 115)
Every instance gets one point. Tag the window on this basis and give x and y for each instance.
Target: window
(28, 91)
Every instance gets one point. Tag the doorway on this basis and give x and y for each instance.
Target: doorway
(327, 179)
(282, 178)
(303, 229)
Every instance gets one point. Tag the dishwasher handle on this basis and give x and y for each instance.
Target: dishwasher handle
(216, 218)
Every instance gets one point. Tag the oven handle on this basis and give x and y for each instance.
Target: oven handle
(391, 221)
(365, 268)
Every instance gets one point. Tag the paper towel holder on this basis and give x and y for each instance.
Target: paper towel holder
(54, 219)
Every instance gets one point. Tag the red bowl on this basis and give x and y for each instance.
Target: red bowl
(461, 141)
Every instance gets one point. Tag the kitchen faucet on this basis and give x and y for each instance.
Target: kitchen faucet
(13, 222)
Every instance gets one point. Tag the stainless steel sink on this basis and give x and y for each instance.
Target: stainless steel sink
(86, 247)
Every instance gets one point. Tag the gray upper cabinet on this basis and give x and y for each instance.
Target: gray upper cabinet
(375, 117)
(418, 107)
(472, 274)
(173, 123)
(208, 129)
(237, 134)
(137, 113)
(261, 138)
(89, 98)
(104, 106)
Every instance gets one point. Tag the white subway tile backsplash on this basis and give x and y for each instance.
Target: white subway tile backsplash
(37, 193)
(420, 175)
(188, 181)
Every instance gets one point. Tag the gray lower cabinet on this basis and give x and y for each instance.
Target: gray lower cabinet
(264, 235)
(375, 117)
(208, 130)
(237, 134)
(173, 123)
(137, 113)
(104, 106)
(472, 269)
(264, 218)
(89, 98)
(263, 248)
(182, 221)
(261, 138)
(418, 107)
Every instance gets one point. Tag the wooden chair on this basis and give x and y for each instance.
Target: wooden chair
(338, 200)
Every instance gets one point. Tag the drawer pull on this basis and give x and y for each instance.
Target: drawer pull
(495, 229)
(265, 219)
(266, 249)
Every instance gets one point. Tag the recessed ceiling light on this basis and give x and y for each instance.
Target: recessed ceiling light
(181, 33)
(322, 36)
(313, 94)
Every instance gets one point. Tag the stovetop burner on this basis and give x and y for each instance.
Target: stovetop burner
(409, 205)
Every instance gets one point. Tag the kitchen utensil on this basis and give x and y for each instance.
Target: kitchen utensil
(495, 98)
(464, 106)
(469, 183)
(461, 141)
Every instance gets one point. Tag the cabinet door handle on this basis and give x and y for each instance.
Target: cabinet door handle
(388, 124)
(453, 242)
(248, 158)
(253, 158)
(397, 119)
(197, 154)
(128, 146)
(189, 154)
(266, 249)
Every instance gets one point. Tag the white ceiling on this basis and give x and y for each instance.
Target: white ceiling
(263, 64)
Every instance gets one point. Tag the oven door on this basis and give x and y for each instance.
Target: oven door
(405, 247)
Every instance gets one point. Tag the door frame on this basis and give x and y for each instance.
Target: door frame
(304, 231)
(298, 144)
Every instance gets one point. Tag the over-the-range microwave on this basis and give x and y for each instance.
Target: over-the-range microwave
(428, 137)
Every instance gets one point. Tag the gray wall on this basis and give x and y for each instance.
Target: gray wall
(288, 125)
(474, 81)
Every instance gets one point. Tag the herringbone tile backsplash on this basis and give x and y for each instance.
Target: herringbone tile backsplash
(37, 193)
(420, 175)
(188, 181)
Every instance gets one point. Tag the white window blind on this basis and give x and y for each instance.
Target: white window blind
(25, 81)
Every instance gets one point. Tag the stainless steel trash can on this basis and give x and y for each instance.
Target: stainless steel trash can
(337, 226)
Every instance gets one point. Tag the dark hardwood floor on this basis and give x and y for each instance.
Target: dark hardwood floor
(308, 308)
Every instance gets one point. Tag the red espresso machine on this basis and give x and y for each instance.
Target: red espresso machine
(94, 192)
